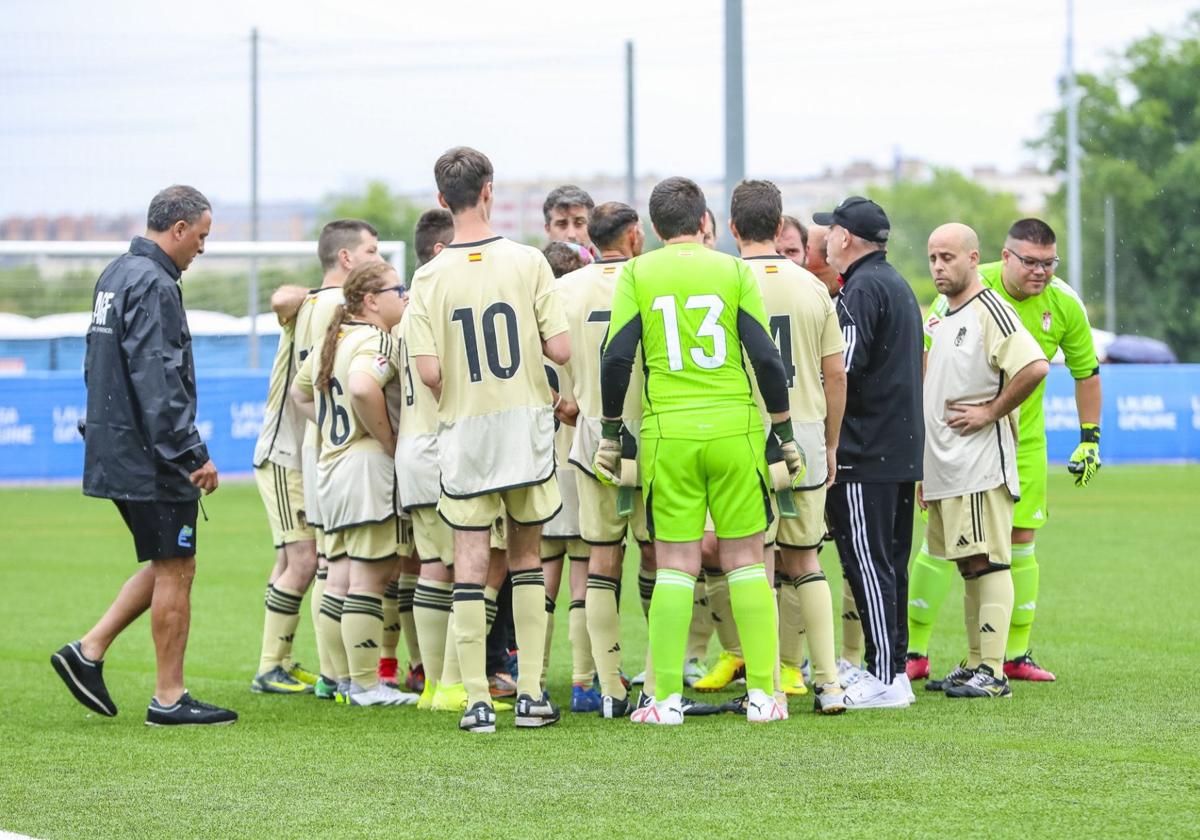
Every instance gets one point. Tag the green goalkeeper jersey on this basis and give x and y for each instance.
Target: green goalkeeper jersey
(693, 310)
(1057, 319)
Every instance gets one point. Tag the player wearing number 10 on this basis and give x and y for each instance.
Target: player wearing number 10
(692, 310)
(483, 313)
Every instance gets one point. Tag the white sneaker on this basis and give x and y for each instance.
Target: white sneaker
(868, 692)
(763, 708)
(848, 673)
(667, 712)
(380, 695)
(640, 679)
(904, 684)
(692, 671)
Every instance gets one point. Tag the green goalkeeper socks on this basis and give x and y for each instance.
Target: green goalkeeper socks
(928, 585)
(752, 600)
(1025, 592)
(670, 617)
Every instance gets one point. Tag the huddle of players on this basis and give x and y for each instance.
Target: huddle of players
(391, 409)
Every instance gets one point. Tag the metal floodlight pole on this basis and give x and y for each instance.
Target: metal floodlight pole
(735, 111)
(1074, 226)
(630, 171)
(1110, 265)
(253, 293)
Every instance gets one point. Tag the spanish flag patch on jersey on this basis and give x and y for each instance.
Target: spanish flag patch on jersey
(611, 269)
(771, 269)
(475, 256)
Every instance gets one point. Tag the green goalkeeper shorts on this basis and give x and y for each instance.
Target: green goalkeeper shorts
(682, 480)
(1031, 510)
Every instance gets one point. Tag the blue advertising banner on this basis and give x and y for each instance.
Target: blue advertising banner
(1151, 414)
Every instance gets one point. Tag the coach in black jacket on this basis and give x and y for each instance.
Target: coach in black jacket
(880, 454)
(142, 451)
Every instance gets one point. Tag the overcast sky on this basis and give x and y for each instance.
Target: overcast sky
(103, 103)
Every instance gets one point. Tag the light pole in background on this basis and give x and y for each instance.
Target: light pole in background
(735, 115)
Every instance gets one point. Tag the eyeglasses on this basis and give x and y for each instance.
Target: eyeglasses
(401, 290)
(1030, 264)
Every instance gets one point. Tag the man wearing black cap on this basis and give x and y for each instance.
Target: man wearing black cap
(870, 507)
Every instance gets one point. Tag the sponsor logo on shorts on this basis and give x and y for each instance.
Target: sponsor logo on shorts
(186, 536)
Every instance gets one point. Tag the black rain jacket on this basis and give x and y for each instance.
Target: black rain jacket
(883, 431)
(140, 441)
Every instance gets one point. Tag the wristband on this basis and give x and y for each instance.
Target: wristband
(1089, 433)
(783, 430)
(611, 429)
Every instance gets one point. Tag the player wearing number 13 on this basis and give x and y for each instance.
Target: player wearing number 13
(483, 314)
(692, 310)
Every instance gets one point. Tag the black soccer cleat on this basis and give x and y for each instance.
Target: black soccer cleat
(958, 676)
(611, 708)
(531, 714)
(737, 705)
(84, 678)
(984, 683)
(694, 708)
(479, 718)
(187, 711)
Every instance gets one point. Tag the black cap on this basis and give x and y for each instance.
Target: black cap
(861, 216)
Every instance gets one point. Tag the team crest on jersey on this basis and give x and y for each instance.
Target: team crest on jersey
(1045, 322)
(381, 363)
(771, 269)
(958, 339)
(475, 257)
(932, 322)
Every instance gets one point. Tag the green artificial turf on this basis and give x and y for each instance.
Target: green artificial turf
(1112, 747)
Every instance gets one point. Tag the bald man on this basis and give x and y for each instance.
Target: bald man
(978, 349)
(815, 259)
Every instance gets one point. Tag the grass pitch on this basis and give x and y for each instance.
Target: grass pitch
(1113, 747)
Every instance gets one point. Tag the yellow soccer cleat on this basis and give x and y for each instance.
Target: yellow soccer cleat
(727, 669)
(791, 681)
(449, 698)
(425, 703)
(298, 673)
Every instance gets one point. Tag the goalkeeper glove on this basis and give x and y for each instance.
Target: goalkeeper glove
(607, 461)
(1085, 460)
(793, 456)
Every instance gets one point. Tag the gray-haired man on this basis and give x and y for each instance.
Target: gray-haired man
(142, 451)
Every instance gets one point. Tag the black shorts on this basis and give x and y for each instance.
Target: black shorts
(161, 530)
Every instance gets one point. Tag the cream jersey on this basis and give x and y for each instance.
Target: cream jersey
(312, 321)
(417, 470)
(804, 326)
(484, 309)
(586, 296)
(283, 425)
(355, 476)
(975, 350)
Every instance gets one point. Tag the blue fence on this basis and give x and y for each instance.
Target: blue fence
(1151, 414)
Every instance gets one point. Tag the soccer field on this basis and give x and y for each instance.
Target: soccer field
(1112, 747)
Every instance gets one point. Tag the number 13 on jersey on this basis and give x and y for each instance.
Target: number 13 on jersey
(709, 328)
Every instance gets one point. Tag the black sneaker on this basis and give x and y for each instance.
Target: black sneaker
(958, 676)
(612, 708)
(188, 712)
(479, 718)
(532, 713)
(983, 684)
(694, 708)
(84, 677)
